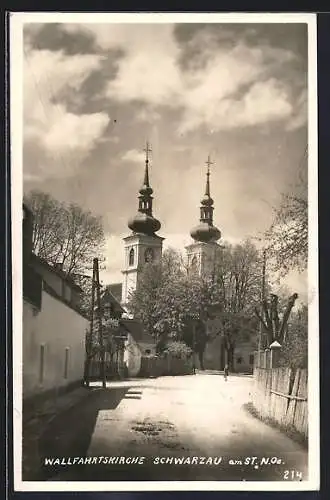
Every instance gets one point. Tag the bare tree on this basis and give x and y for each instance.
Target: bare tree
(64, 234)
(275, 327)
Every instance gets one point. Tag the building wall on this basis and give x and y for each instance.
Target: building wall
(139, 243)
(147, 349)
(244, 357)
(132, 356)
(53, 346)
(203, 256)
(57, 283)
(214, 356)
(51, 278)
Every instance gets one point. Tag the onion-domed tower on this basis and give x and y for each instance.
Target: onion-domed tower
(202, 254)
(143, 244)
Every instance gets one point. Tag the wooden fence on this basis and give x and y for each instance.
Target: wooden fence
(151, 366)
(281, 395)
(112, 371)
(167, 365)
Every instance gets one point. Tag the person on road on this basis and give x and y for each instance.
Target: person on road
(225, 373)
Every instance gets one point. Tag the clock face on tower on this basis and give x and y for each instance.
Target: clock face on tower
(149, 255)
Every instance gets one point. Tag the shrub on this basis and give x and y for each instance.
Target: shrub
(178, 350)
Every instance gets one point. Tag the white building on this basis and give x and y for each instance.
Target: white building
(53, 326)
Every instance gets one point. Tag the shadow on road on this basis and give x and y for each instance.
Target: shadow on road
(69, 434)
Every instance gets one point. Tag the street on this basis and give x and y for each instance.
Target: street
(199, 422)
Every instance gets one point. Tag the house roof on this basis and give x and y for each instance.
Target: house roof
(116, 290)
(135, 328)
(35, 259)
(108, 296)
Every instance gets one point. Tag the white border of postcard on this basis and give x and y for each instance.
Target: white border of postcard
(17, 20)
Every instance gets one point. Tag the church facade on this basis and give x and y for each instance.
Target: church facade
(203, 255)
(143, 244)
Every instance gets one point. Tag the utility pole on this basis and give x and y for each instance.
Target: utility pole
(89, 338)
(99, 317)
(194, 341)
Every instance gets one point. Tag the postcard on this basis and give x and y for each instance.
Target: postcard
(164, 236)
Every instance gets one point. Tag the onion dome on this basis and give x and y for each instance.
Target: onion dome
(144, 222)
(205, 231)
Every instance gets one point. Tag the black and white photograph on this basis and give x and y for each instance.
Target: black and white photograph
(164, 242)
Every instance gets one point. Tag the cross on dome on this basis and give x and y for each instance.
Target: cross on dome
(147, 150)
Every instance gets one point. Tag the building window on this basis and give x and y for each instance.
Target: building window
(194, 264)
(251, 359)
(131, 257)
(239, 360)
(66, 362)
(149, 255)
(42, 363)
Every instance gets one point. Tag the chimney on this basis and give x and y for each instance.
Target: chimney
(27, 233)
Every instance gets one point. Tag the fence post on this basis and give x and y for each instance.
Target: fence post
(275, 349)
(257, 362)
(265, 359)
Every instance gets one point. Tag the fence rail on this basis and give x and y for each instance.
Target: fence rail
(281, 396)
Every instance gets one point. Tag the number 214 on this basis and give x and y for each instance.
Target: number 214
(293, 475)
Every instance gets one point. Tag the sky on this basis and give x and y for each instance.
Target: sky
(95, 93)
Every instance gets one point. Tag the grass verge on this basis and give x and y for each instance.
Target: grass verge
(290, 431)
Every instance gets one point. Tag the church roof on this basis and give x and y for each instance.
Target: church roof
(144, 222)
(206, 232)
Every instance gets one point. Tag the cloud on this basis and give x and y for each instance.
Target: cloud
(222, 86)
(299, 115)
(148, 115)
(31, 178)
(63, 137)
(134, 156)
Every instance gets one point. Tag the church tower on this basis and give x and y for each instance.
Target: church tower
(204, 252)
(142, 245)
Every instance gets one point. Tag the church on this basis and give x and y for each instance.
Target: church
(143, 245)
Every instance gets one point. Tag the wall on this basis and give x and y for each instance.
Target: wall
(206, 254)
(146, 346)
(49, 276)
(138, 242)
(214, 357)
(58, 332)
(244, 357)
(132, 356)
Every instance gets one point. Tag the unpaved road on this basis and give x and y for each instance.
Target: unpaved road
(194, 419)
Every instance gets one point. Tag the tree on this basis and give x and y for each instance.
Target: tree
(64, 234)
(175, 305)
(275, 327)
(287, 238)
(168, 301)
(238, 276)
(294, 352)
